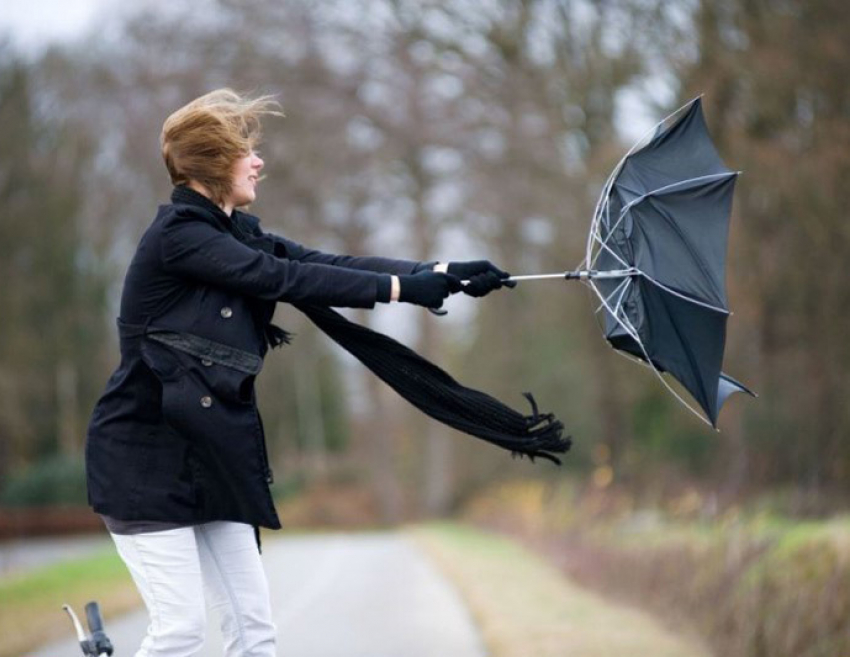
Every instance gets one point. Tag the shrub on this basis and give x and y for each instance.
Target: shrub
(55, 480)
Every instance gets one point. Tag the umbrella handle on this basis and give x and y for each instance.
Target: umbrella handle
(579, 274)
(564, 275)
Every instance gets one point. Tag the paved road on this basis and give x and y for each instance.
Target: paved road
(20, 555)
(342, 595)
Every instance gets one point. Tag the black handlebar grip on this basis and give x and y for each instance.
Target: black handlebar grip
(93, 617)
(98, 637)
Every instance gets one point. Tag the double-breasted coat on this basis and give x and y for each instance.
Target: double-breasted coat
(176, 435)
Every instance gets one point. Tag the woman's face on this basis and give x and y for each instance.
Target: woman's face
(246, 172)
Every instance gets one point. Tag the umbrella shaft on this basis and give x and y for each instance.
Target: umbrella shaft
(582, 274)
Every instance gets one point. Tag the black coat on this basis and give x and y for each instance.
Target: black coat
(177, 436)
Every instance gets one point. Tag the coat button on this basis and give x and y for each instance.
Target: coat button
(226, 312)
(206, 401)
(269, 476)
(206, 362)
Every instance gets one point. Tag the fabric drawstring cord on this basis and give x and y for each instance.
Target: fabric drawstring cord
(276, 336)
(257, 538)
(434, 392)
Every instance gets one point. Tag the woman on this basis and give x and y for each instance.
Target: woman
(175, 455)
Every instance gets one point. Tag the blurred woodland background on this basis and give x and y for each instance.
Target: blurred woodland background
(465, 130)
(447, 130)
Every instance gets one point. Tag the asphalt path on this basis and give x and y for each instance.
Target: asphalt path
(340, 595)
(19, 555)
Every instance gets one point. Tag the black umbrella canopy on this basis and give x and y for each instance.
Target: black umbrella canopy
(661, 231)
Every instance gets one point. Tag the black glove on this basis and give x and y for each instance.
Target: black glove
(428, 288)
(483, 277)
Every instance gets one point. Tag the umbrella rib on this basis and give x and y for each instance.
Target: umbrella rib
(684, 297)
(623, 294)
(602, 206)
(596, 245)
(665, 188)
(603, 244)
(595, 236)
(606, 188)
(643, 197)
(622, 216)
(629, 328)
(695, 255)
(689, 354)
(617, 289)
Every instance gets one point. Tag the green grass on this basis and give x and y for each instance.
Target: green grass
(60, 578)
(31, 603)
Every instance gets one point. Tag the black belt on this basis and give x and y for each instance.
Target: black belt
(222, 354)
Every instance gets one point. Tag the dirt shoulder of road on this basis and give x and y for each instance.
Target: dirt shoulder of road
(525, 607)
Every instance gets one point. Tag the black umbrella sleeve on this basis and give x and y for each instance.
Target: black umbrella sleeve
(434, 392)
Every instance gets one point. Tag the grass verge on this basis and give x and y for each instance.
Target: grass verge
(31, 604)
(525, 607)
(747, 580)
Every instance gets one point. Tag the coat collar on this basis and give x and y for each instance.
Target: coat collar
(185, 195)
(241, 224)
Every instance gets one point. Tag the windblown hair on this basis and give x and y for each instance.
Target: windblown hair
(203, 139)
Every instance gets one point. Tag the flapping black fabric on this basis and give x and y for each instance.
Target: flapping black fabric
(726, 386)
(679, 238)
(683, 150)
(686, 340)
(665, 224)
(437, 394)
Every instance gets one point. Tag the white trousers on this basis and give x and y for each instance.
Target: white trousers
(174, 568)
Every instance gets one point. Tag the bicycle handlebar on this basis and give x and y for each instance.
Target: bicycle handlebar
(101, 642)
(98, 644)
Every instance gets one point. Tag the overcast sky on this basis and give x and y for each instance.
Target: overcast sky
(34, 23)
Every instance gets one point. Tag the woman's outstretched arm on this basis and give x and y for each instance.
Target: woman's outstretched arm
(194, 248)
(295, 251)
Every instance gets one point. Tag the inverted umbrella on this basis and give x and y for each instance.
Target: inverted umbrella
(656, 257)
